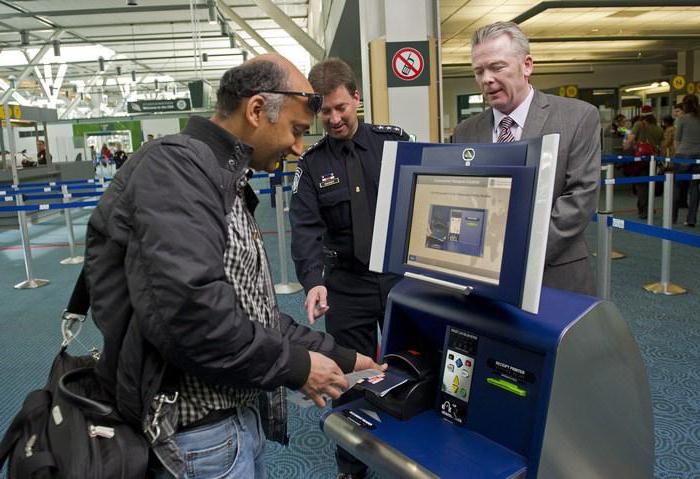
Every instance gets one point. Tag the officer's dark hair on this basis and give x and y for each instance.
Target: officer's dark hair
(325, 77)
(251, 78)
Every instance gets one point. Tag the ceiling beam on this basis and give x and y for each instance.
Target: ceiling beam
(100, 11)
(242, 24)
(10, 30)
(30, 66)
(615, 38)
(289, 26)
(542, 6)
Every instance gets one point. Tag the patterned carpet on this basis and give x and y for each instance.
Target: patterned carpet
(667, 329)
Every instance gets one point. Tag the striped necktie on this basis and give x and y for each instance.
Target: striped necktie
(505, 135)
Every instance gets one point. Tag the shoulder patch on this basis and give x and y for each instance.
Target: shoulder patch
(297, 177)
(388, 129)
(313, 147)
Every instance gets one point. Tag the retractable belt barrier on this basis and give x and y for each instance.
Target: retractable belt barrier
(10, 186)
(20, 194)
(665, 233)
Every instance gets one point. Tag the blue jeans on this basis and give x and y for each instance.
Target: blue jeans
(231, 448)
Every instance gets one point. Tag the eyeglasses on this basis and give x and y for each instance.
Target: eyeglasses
(315, 99)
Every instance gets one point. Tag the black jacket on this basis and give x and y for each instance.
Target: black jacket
(154, 268)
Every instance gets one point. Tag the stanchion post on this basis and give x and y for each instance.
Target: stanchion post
(609, 207)
(31, 282)
(603, 259)
(284, 286)
(285, 182)
(73, 258)
(665, 286)
(651, 191)
(609, 175)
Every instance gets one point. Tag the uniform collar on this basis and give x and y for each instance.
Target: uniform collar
(225, 146)
(360, 139)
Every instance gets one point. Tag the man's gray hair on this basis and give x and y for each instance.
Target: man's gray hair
(273, 105)
(520, 42)
(249, 78)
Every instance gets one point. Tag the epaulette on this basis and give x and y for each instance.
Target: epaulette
(389, 129)
(316, 145)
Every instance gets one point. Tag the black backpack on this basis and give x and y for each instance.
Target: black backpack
(70, 428)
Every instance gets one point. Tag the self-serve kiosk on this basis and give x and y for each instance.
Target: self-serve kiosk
(506, 379)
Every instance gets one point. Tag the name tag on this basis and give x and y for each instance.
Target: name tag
(329, 180)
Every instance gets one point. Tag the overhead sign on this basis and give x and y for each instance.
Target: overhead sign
(156, 106)
(678, 82)
(15, 112)
(30, 113)
(408, 64)
(570, 91)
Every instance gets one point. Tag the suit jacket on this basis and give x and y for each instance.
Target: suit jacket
(577, 175)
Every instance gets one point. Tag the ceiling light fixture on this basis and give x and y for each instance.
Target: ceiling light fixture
(205, 57)
(56, 48)
(245, 55)
(101, 63)
(24, 38)
(655, 85)
(133, 75)
(131, 3)
(224, 28)
(155, 83)
(232, 41)
(211, 9)
(119, 70)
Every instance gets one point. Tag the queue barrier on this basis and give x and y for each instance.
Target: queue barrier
(283, 287)
(50, 183)
(666, 233)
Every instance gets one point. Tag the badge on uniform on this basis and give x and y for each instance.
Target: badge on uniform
(328, 179)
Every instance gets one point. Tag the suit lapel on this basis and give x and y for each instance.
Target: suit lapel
(536, 117)
(484, 129)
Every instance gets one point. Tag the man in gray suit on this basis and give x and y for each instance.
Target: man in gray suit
(502, 66)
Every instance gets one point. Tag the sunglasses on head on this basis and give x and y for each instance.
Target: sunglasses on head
(315, 100)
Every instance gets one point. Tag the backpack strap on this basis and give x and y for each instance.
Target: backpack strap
(79, 301)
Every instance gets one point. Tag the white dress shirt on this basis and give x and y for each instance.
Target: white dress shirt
(519, 115)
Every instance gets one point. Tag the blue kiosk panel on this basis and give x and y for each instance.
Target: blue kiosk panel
(555, 395)
(497, 392)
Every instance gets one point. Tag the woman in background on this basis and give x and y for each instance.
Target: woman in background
(688, 146)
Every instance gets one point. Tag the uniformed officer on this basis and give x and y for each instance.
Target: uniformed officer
(334, 197)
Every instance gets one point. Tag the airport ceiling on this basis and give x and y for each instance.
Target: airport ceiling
(571, 36)
(167, 40)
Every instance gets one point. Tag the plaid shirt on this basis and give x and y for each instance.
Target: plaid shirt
(247, 269)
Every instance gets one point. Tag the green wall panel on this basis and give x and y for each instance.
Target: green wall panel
(80, 129)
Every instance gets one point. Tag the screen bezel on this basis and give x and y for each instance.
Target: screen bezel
(516, 242)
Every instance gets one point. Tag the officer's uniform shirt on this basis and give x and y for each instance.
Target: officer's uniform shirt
(320, 208)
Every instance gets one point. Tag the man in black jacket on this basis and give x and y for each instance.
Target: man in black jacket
(195, 348)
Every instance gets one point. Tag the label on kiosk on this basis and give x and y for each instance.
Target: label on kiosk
(457, 372)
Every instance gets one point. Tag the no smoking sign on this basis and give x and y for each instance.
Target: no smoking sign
(407, 64)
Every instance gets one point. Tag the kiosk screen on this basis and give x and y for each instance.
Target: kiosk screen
(458, 225)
